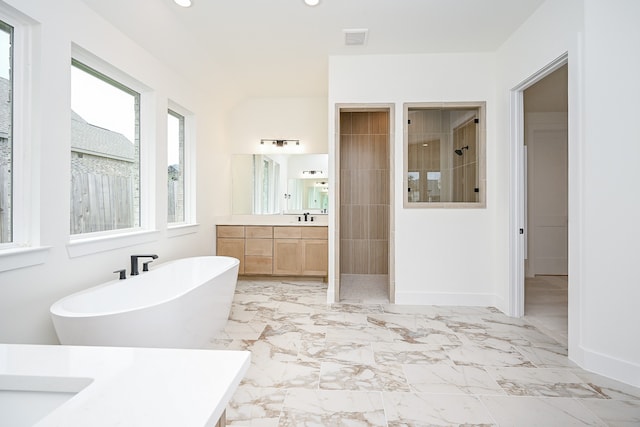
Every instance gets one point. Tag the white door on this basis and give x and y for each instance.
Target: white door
(547, 199)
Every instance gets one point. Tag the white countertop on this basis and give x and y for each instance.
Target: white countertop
(128, 386)
(279, 220)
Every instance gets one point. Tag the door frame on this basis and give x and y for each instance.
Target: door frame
(334, 279)
(517, 186)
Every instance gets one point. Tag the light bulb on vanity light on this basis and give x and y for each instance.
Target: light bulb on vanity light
(311, 2)
(183, 3)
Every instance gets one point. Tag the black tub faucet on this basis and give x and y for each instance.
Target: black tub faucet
(134, 262)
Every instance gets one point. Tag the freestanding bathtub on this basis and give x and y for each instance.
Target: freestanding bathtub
(179, 304)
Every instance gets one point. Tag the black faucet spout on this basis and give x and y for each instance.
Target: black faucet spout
(134, 262)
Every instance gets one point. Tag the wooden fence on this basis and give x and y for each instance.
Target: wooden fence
(101, 202)
(175, 205)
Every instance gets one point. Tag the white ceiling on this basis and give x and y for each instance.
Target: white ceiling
(281, 47)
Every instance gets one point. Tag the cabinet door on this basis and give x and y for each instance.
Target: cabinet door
(233, 248)
(315, 257)
(287, 259)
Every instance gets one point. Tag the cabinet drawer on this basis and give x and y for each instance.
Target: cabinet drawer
(287, 232)
(258, 232)
(231, 231)
(314, 233)
(258, 265)
(262, 247)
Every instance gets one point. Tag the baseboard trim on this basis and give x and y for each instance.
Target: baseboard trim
(612, 367)
(450, 299)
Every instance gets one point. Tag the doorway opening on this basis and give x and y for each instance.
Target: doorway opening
(540, 264)
(364, 213)
(546, 230)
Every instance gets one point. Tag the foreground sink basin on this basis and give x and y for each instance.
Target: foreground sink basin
(25, 399)
(92, 386)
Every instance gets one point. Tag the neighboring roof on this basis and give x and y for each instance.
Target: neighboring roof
(90, 139)
(85, 137)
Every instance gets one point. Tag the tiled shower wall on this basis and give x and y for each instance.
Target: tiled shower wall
(364, 192)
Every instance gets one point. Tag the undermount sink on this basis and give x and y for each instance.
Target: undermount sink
(25, 399)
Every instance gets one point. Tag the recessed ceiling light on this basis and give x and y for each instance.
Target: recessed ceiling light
(183, 3)
(311, 2)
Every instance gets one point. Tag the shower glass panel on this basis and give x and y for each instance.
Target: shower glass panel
(444, 162)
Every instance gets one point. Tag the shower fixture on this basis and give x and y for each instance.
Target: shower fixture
(459, 150)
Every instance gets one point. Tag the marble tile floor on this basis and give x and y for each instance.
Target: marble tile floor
(546, 305)
(346, 364)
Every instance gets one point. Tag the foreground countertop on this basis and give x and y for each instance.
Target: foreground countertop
(129, 386)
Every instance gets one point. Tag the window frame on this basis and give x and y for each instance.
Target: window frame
(137, 222)
(10, 30)
(189, 174)
(89, 243)
(481, 153)
(25, 249)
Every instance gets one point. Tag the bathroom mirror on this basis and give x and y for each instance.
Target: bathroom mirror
(268, 184)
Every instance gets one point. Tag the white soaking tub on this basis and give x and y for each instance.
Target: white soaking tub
(179, 304)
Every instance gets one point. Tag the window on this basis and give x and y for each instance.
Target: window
(266, 185)
(105, 153)
(175, 168)
(6, 131)
(444, 155)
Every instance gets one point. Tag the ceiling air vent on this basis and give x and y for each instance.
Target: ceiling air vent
(355, 37)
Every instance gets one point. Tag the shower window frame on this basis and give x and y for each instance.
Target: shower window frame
(480, 153)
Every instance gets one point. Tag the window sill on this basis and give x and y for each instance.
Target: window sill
(176, 230)
(91, 245)
(20, 257)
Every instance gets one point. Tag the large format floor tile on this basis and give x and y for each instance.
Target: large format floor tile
(378, 364)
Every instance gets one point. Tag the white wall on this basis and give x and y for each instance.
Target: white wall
(253, 119)
(604, 201)
(442, 256)
(27, 293)
(611, 281)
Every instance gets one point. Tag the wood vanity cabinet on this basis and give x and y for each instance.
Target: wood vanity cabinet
(258, 250)
(300, 251)
(230, 242)
(276, 250)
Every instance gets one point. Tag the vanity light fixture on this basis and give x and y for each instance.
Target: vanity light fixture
(280, 142)
(183, 3)
(311, 172)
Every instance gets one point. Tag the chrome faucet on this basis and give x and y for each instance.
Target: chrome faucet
(134, 262)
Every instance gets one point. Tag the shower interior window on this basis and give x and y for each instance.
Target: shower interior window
(444, 155)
